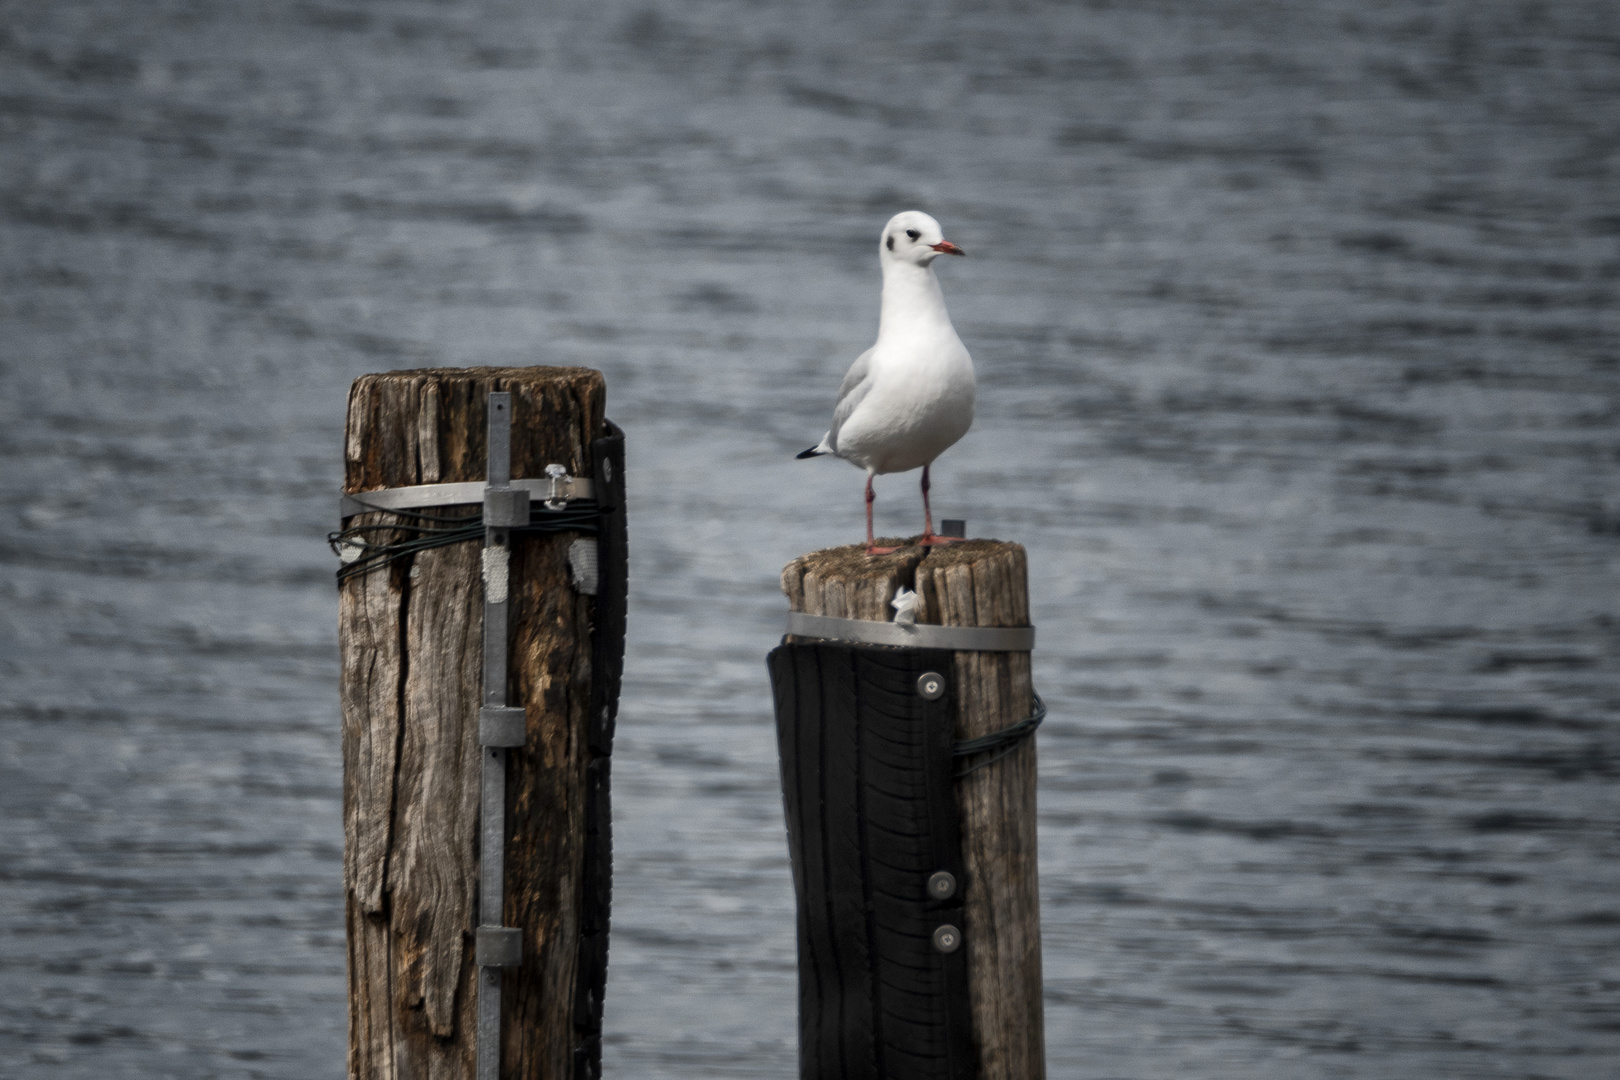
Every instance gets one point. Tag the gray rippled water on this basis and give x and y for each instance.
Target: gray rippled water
(1296, 329)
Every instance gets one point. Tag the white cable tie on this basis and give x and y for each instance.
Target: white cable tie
(497, 562)
(582, 565)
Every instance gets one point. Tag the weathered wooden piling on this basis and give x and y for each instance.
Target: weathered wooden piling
(411, 640)
(868, 849)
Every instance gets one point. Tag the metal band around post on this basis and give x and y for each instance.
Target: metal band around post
(424, 495)
(913, 635)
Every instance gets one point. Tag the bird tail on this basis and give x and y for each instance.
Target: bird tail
(819, 449)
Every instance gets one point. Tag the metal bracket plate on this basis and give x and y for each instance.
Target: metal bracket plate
(502, 725)
(499, 946)
(505, 507)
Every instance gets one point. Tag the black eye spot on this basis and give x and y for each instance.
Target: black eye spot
(913, 233)
(891, 243)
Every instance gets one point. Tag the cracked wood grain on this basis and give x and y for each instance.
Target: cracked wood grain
(411, 647)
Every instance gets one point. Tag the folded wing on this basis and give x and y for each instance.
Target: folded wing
(857, 383)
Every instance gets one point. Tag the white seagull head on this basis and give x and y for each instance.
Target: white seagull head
(911, 236)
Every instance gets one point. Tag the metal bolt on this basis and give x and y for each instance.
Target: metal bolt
(556, 474)
(942, 885)
(931, 685)
(947, 939)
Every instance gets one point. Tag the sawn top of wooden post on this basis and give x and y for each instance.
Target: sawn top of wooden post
(969, 583)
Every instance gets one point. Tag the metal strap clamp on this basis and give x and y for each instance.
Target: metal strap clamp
(554, 490)
(914, 635)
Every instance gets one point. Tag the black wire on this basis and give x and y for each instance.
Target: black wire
(581, 516)
(578, 516)
(1006, 740)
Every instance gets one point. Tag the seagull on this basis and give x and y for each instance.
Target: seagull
(910, 396)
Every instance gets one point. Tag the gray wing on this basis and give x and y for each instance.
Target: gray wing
(857, 383)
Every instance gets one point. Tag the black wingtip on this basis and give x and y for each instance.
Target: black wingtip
(807, 453)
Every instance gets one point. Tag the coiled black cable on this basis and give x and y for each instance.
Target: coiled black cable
(422, 532)
(1006, 740)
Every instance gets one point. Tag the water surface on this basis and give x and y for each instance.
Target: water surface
(1296, 332)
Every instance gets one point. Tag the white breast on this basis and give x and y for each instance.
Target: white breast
(920, 403)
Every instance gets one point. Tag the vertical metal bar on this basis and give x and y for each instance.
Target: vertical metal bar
(489, 1023)
(491, 876)
(492, 833)
(500, 440)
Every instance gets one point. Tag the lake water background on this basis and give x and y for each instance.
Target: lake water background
(1296, 330)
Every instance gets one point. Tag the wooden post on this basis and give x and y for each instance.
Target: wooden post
(411, 642)
(978, 583)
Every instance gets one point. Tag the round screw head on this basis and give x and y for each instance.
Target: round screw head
(947, 939)
(942, 885)
(931, 685)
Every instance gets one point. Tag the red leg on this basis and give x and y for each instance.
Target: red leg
(928, 537)
(871, 497)
(871, 545)
(928, 514)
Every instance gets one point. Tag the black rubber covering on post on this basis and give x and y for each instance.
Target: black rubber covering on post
(871, 815)
(607, 668)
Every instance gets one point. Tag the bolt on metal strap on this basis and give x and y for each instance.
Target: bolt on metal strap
(500, 726)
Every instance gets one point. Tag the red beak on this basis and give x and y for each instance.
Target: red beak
(945, 247)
